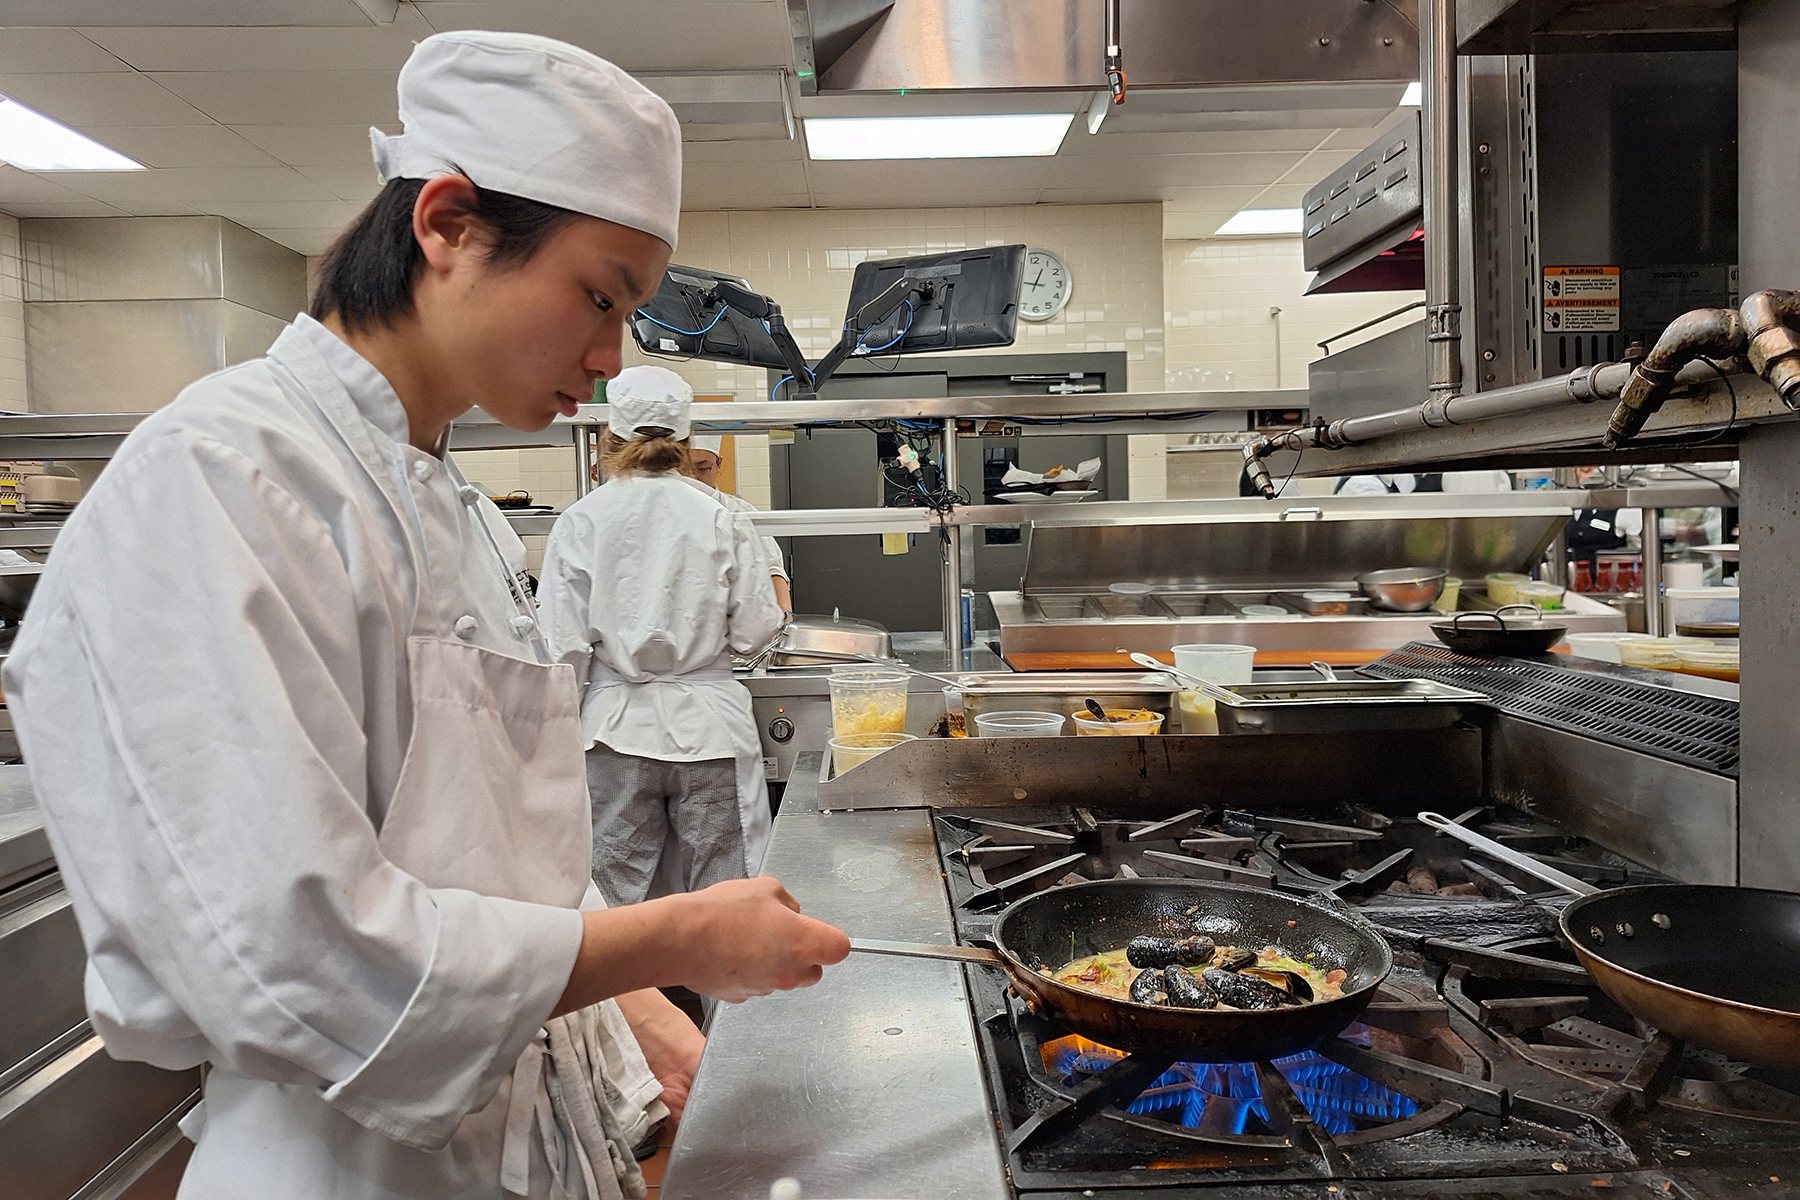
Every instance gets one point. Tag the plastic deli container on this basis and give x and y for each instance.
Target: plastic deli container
(1089, 727)
(1447, 599)
(1700, 606)
(859, 748)
(1601, 647)
(1712, 662)
(1223, 663)
(1539, 595)
(1656, 652)
(1330, 604)
(1019, 724)
(867, 700)
(1503, 587)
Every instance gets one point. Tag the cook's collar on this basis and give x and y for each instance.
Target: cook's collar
(368, 388)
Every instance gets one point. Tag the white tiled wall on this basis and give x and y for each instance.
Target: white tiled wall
(1220, 333)
(13, 388)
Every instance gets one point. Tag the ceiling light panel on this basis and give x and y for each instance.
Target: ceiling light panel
(1012, 135)
(1413, 95)
(1263, 221)
(33, 142)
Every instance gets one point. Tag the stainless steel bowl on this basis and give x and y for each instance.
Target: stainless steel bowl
(1403, 589)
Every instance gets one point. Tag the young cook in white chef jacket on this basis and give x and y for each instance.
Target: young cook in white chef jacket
(649, 584)
(313, 782)
(704, 457)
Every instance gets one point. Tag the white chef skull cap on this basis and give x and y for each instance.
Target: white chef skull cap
(707, 441)
(648, 398)
(538, 118)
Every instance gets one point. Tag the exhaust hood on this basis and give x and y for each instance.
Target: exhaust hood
(843, 46)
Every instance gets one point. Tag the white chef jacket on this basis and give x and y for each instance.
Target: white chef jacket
(212, 692)
(737, 504)
(647, 581)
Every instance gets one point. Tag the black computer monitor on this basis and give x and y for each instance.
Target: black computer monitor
(964, 300)
(687, 318)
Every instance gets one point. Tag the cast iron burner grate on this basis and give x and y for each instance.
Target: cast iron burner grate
(1694, 730)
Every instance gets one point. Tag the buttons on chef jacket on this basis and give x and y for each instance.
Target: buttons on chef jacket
(421, 470)
(522, 624)
(465, 627)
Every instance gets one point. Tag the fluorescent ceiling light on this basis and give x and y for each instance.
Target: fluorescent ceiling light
(33, 142)
(1263, 220)
(1412, 96)
(1016, 135)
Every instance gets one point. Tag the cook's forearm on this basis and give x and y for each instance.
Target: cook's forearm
(623, 951)
(784, 595)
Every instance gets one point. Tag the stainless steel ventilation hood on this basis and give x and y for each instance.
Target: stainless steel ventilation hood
(1585, 26)
(846, 46)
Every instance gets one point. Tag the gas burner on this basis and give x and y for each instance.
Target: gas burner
(1488, 1064)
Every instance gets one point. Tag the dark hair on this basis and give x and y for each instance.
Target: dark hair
(367, 276)
(654, 454)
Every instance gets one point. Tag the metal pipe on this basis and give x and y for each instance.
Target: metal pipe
(1703, 333)
(1651, 538)
(584, 459)
(1603, 381)
(1769, 319)
(952, 544)
(1443, 307)
(1115, 58)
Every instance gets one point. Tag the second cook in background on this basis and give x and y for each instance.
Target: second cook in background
(704, 459)
(648, 586)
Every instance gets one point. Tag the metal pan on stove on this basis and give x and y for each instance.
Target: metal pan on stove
(1053, 927)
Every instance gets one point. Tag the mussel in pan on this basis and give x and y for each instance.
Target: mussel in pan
(1186, 991)
(1149, 952)
(1245, 991)
(1149, 988)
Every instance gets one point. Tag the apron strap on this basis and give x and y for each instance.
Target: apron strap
(515, 1153)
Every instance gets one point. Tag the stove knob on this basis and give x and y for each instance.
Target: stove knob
(781, 729)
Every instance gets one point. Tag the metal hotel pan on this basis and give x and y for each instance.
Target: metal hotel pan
(1715, 966)
(1053, 927)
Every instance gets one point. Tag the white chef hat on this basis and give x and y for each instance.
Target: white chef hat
(538, 118)
(648, 398)
(707, 441)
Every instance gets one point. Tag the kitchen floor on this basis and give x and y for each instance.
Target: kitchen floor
(653, 1166)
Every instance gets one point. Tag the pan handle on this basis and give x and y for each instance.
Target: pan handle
(1506, 854)
(962, 954)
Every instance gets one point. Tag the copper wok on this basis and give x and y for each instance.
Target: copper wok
(1715, 966)
(1052, 927)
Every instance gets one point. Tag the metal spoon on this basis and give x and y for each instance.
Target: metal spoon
(1191, 682)
(1099, 713)
(1325, 671)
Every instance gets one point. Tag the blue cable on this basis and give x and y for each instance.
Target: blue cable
(778, 384)
(903, 332)
(717, 317)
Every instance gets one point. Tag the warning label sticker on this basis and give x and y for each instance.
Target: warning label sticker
(1581, 299)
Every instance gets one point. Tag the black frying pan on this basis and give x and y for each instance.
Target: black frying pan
(1052, 927)
(1715, 966)
(1530, 636)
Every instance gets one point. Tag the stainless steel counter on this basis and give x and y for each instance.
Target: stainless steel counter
(867, 1085)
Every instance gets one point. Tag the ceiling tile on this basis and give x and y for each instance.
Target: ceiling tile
(1181, 226)
(309, 242)
(778, 150)
(1209, 199)
(643, 35)
(76, 206)
(286, 97)
(103, 98)
(265, 48)
(1357, 139)
(40, 51)
(1228, 142)
(951, 180)
(1143, 174)
(315, 145)
(356, 184)
(723, 180)
(201, 187)
(255, 214)
(998, 198)
(18, 186)
(182, 145)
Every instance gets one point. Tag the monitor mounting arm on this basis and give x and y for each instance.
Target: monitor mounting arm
(761, 308)
(861, 321)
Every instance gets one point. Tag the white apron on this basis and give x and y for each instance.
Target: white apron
(491, 797)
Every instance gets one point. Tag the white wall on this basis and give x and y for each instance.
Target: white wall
(14, 394)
